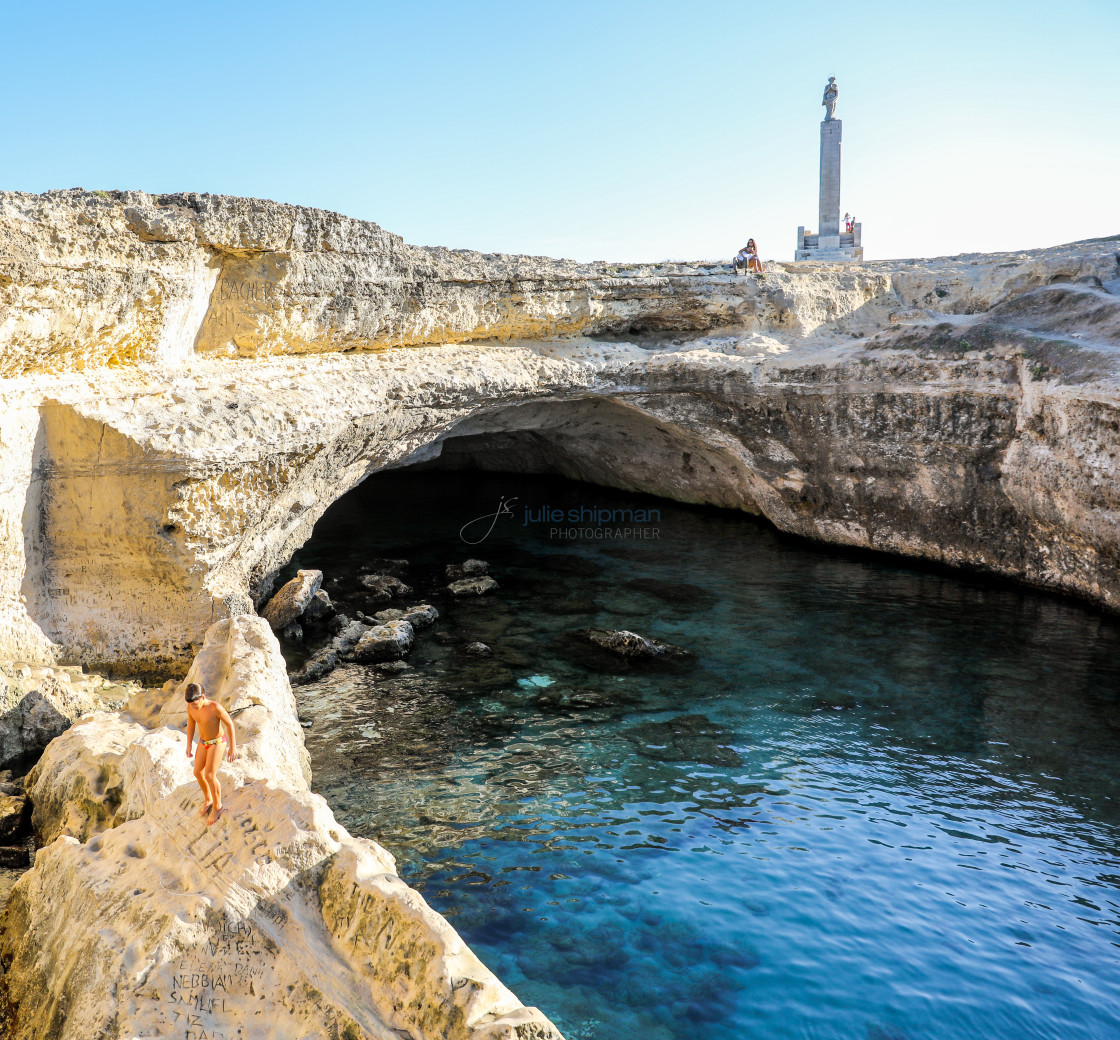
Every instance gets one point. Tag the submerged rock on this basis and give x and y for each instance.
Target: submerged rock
(467, 569)
(384, 642)
(677, 593)
(383, 587)
(631, 644)
(581, 603)
(477, 649)
(396, 568)
(472, 586)
(274, 922)
(292, 599)
(686, 738)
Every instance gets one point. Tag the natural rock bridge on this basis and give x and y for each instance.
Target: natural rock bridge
(232, 367)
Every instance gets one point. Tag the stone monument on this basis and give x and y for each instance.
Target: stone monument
(831, 242)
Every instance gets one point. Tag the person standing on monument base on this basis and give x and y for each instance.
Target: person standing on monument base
(210, 717)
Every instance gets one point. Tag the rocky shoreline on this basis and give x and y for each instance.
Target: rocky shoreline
(274, 922)
(188, 382)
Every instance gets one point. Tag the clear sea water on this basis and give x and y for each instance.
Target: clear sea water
(878, 801)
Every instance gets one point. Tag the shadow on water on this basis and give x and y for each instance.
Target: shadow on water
(877, 800)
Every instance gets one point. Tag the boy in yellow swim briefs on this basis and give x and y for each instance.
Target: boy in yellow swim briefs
(210, 717)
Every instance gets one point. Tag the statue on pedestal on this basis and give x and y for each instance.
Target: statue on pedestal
(829, 101)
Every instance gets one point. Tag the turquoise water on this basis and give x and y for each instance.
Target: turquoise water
(878, 802)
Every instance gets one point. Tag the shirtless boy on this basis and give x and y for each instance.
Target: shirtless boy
(209, 716)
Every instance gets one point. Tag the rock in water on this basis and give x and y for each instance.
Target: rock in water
(477, 649)
(383, 587)
(394, 567)
(319, 609)
(420, 616)
(388, 614)
(273, 923)
(327, 659)
(472, 586)
(292, 599)
(467, 569)
(631, 644)
(386, 642)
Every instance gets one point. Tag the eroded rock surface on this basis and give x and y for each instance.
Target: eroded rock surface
(632, 644)
(267, 358)
(272, 923)
(385, 642)
(293, 599)
(113, 766)
(39, 703)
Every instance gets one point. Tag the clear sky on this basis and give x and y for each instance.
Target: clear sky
(595, 130)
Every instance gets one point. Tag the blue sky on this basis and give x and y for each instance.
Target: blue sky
(610, 130)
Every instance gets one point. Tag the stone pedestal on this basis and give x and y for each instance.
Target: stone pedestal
(831, 242)
(828, 223)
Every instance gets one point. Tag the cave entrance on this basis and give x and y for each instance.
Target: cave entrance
(598, 441)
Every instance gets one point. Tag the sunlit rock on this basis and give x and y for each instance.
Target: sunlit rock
(385, 642)
(138, 919)
(112, 766)
(292, 599)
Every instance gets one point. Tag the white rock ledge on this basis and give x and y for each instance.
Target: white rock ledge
(273, 923)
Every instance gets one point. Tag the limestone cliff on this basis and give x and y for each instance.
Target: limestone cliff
(192, 380)
(273, 923)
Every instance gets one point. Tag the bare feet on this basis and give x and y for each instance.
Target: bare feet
(216, 815)
(205, 810)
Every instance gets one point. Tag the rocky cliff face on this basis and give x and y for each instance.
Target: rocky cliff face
(139, 920)
(165, 451)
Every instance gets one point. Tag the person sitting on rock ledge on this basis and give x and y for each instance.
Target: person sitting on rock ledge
(753, 263)
(209, 716)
